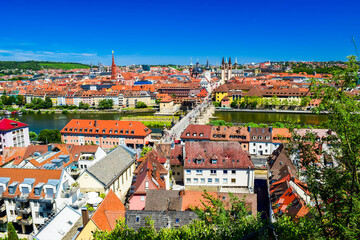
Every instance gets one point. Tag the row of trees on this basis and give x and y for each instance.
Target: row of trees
(10, 100)
(259, 102)
(46, 136)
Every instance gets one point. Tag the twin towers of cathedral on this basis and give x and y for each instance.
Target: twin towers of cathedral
(226, 69)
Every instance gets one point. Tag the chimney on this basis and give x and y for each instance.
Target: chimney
(270, 129)
(85, 216)
(182, 192)
(95, 123)
(50, 147)
(249, 129)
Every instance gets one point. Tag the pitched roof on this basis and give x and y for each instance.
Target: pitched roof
(108, 127)
(8, 125)
(112, 165)
(110, 210)
(230, 155)
(19, 174)
(163, 200)
(197, 132)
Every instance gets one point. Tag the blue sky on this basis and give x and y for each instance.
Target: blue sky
(167, 31)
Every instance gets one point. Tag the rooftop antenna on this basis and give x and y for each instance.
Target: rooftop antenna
(357, 53)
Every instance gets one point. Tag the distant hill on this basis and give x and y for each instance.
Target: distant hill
(38, 65)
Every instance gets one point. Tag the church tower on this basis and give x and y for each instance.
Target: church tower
(223, 71)
(229, 74)
(208, 71)
(113, 67)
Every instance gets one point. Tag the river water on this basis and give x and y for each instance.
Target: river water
(258, 117)
(37, 122)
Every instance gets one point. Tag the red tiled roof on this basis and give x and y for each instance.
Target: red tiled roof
(131, 128)
(229, 155)
(110, 210)
(8, 125)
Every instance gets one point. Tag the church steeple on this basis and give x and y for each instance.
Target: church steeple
(113, 67)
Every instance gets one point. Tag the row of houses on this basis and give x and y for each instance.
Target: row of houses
(92, 97)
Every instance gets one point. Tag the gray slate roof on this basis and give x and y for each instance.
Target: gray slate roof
(163, 200)
(112, 165)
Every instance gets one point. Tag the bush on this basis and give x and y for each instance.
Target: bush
(141, 105)
(65, 112)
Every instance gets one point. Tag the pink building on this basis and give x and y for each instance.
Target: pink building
(13, 134)
(149, 175)
(106, 133)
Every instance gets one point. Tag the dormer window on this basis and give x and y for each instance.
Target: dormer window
(188, 134)
(11, 190)
(260, 137)
(213, 161)
(132, 132)
(194, 134)
(103, 131)
(254, 137)
(198, 161)
(201, 134)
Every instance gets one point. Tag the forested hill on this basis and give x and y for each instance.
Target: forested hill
(38, 65)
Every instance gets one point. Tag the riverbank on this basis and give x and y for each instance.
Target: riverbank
(265, 111)
(82, 111)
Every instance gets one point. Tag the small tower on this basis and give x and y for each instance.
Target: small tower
(223, 66)
(113, 67)
(229, 73)
(208, 71)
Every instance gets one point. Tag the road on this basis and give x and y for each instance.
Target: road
(175, 132)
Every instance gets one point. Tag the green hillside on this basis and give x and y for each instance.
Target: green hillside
(38, 65)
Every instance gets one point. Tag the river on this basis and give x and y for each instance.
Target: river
(37, 122)
(258, 117)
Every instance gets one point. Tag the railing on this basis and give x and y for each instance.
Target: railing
(23, 197)
(3, 219)
(27, 222)
(23, 210)
(67, 193)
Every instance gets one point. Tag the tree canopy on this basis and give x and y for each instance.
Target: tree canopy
(49, 136)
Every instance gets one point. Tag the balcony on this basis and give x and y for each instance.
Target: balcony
(23, 197)
(26, 222)
(47, 199)
(3, 219)
(23, 210)
(69, 192)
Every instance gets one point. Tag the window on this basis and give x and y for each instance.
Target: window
(202, 180)
(177, 220)
(146, 185)
(198, 161)
(196, 180)
(137, 218)
(233, 171)
(212, 171)
(233, 180)
(209, 180)
(142, 198)
(225, 180)
(214, 161)
(217, 180)
(188, 172)
(198, 171)
(260, 137)
(188, 180)
(224, 171)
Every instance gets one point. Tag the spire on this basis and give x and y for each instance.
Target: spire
(113, 61)
(229, 60)
(222, 63)
(113, 67)
(191, 61)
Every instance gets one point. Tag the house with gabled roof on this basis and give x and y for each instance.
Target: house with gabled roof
(114, 171)
(104, 218)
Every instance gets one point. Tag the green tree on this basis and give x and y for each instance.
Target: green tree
(84, 106)
(106, 104)
(49, 136)
(20, 100)
(12, 235)
(145, 150)
(33, 136)
(334, 188)
(48, 103)
(140, 104)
